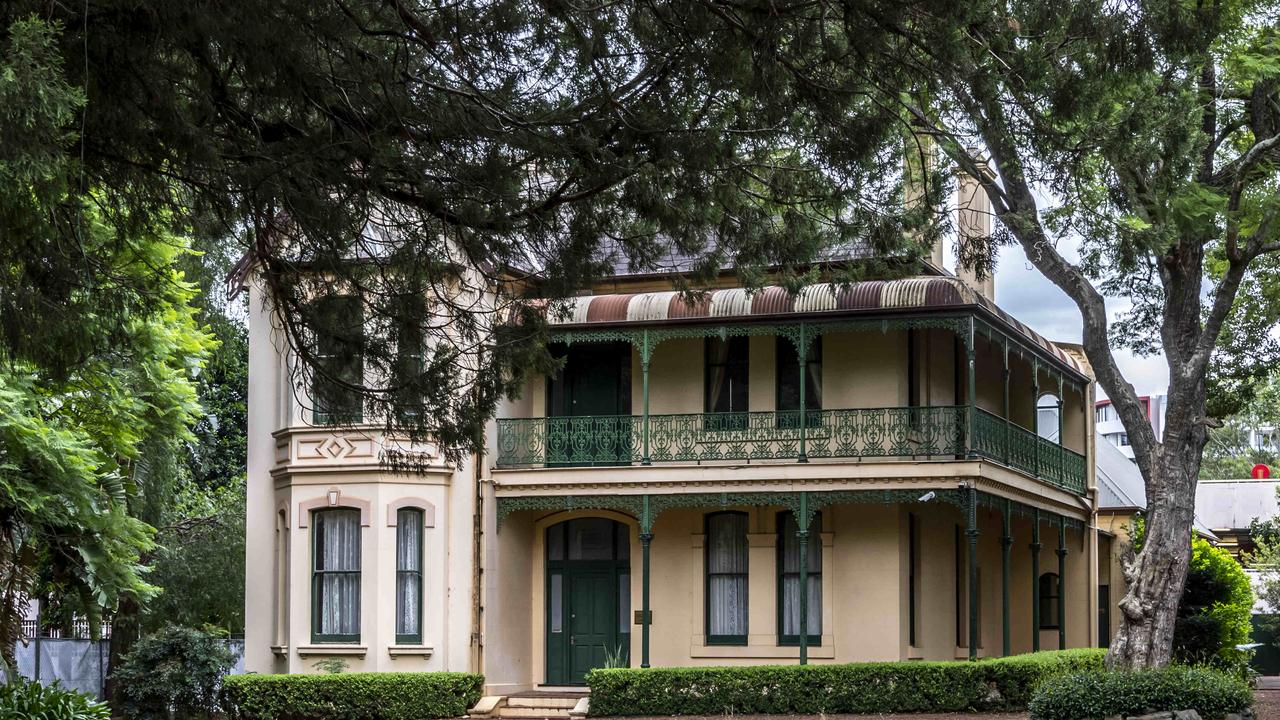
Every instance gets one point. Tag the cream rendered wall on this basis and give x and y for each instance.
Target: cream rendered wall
(264, 408)
(442, 621)
(763, 373)
(868, 583)
(511, 590)
(864, 370)
(938, 351)
(675, 378)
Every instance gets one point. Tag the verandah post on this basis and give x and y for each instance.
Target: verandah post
(972, 389)
(1006, 548)
(645, 353)
(1062, 456)
(646, 537)
(972, 534)
(802, 536)
(1035, 580)
(1005, 403)
(1035, 415)
(802, 353)
(1062, 583)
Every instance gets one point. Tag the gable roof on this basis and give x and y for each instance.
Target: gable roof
(1121, 487)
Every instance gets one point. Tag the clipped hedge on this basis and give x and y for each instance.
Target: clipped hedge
(1096, 695)
(352, 696)
(889, 687)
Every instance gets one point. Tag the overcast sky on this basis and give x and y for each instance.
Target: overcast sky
(1030, 297)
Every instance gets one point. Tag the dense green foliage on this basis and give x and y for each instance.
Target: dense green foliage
(461, 143)
(173, 674)
(1229, 454)
(33, 701)
(1098, 695)
(99, 346)
(352, 696)
(892, 687)
(1215, 610)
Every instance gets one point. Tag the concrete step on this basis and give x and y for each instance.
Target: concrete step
(532, 713)
(541, 702)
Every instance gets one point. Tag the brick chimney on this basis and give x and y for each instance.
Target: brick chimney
(973, 221)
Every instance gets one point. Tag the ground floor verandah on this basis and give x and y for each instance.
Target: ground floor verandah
(575, 581)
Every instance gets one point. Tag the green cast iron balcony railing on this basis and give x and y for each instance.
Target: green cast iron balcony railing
(907, 432)
(1007, 442)
(698, 437)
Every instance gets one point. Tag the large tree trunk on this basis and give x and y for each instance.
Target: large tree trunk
(1155, 576)
(125, 630)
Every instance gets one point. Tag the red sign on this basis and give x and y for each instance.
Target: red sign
(1260, 472)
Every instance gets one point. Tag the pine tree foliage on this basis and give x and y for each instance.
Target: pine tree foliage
(98, 352)
(416, 155)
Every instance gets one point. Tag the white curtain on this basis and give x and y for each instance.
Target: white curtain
(409, 572)
(791, 577)
(727, 574)
(338, 567)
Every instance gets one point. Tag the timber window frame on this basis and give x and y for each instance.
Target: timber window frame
(337, 330)
(409, 520)
(726, 390)
(734, 522)
(1048, 597)
(787, 383)
(322, 572)
(787, 529)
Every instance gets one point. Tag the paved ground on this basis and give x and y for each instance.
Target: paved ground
(1266, 707)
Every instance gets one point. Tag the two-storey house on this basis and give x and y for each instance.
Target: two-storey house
(889, 470)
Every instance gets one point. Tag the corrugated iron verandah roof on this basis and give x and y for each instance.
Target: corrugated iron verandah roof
(822, 301)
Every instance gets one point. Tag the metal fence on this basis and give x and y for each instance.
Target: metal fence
(80, 664)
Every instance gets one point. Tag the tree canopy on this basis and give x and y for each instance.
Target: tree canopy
(410, 155)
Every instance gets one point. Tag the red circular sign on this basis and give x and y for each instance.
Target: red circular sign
(1260, 472)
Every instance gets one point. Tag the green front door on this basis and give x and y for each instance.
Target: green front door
(587, 598)
(593, 621)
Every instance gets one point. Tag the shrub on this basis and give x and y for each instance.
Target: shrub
(1096, 695)
(890, 687)
(352, 696)
(32, 701)
(1215, 611)
(176, 669)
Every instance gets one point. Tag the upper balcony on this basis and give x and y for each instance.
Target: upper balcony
(917, 369)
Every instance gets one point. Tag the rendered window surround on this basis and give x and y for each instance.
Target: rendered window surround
(1048, 599)
(416, 515)
(709, 520)
(319, 574)
(815, 533)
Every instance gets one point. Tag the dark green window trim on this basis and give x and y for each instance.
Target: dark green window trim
(737, 361)
(414, 515)
(706, 585)
(1048, 601)
(337, 324)
(786, 371)
(317, 576)
(815, 537)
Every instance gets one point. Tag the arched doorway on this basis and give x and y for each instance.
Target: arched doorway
(588, 598)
